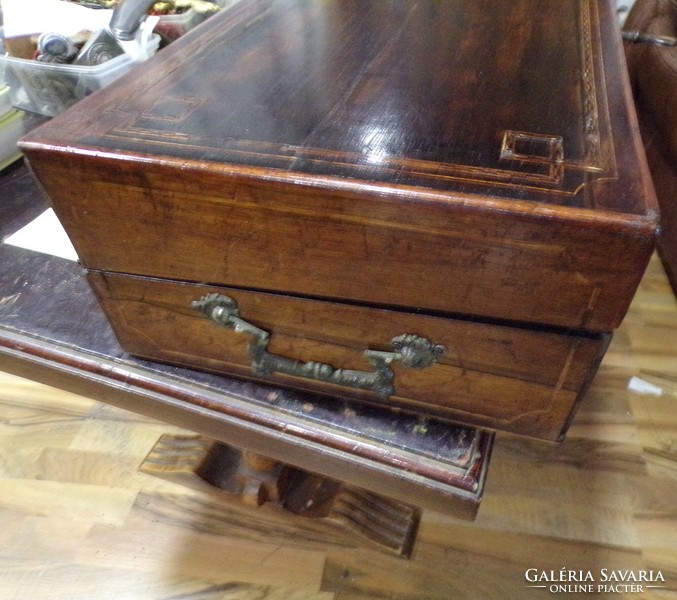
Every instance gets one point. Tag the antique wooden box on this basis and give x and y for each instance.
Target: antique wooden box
(442, 206)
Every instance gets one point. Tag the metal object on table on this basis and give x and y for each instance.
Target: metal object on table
(639, 37)
(105, 44)
(56, 48)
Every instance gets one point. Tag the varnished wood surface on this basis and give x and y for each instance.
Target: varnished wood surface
(386, 153)
(203, 169)
(80, 521)
(392, 92)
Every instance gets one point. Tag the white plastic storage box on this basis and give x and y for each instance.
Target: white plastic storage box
(49, 88)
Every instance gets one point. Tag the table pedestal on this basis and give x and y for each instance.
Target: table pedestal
(358, 515)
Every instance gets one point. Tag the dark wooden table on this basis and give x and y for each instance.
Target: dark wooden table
(52, 330)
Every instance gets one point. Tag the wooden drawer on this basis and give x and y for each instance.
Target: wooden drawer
(489, 375)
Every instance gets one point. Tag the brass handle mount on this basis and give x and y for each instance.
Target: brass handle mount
(412, 351)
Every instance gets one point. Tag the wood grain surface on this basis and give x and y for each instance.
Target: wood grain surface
(80, 521)
(477, 157)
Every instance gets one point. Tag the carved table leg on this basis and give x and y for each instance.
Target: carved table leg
(256, 480)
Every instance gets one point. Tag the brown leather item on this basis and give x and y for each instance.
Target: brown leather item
(653, 71)
(440, 206)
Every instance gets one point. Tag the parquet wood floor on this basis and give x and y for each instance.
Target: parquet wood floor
(79, 520)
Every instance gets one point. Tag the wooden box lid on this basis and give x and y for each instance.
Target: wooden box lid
(466, 156)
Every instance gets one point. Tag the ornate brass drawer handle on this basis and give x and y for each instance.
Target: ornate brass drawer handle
(411, 350)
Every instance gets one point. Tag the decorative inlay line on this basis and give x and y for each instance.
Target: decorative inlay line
(589, 97)
(546, 170)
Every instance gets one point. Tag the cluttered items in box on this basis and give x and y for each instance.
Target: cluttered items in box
(71, 48)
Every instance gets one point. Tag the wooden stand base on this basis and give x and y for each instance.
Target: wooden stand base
(254, 480)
